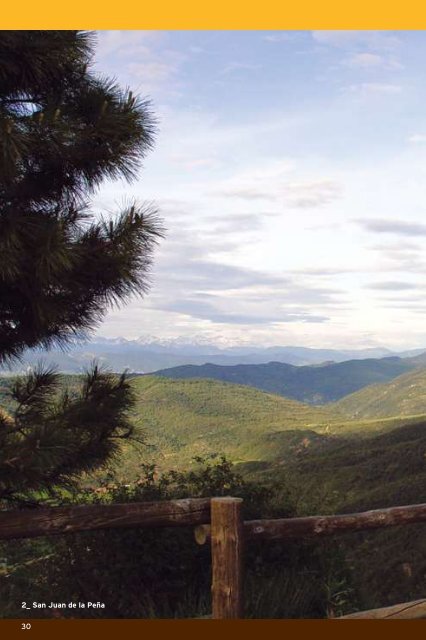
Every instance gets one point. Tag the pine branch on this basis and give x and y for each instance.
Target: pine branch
(63, 130)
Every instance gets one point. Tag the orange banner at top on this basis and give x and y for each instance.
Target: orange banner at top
(216, 14)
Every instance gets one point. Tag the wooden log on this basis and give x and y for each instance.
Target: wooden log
(227, 569)
(404, 611)
(330, 525)
(288, 528)
(57, 520)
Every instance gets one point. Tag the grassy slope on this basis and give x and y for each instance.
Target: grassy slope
(403, 396)
(184, 418)
(341, 463)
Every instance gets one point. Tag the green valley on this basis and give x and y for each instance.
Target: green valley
(184, 418)
(321, 458)
(326, 461)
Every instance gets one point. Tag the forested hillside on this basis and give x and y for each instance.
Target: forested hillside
(315, 459)
(404, 395)
(312, 384)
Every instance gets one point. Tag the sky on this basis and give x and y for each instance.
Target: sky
(290, 172)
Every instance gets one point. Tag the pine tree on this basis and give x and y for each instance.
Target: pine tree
(63, 130)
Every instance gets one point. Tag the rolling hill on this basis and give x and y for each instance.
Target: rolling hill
(368, 459)
(314, 384)
(182, 419)
(186, 418)
(403, 396)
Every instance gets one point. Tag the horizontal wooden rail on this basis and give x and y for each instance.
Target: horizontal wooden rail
(404, 611)
(228, 535)
(57, 520)
(284, 529)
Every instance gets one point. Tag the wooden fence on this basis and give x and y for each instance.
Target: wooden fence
(220, 522)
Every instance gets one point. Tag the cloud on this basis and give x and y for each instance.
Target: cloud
(407, 297)
(197, 308)
(365, 89)
(303, 294)
(325, 271)
(197, 278)
(402, 256)
(399, 227)
(410, 303)
(141, 58)
(407, 255)
(417, 138)
(392, 286)
(365, 60)
(240, 66)
(372, 61)
(300, 195)
(191, 163)
(126, 43)
(350, 39)
(235, 223)
(311, 193)
(153, 72)
(191, 281)
(277, 37)
(248, 193)
(204, 274)
(402, 246)
(367, 51)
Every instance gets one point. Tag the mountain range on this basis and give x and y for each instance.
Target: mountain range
(313, 384)
(149, 354)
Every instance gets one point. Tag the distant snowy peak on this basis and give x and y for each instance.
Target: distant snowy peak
(102, 340)
(211, 341)
(196, 344)
(217, 344)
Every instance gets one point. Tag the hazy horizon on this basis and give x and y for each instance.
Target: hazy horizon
(222, 342)
(219, 342)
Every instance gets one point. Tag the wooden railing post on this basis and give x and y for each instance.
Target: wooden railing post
(227, 557)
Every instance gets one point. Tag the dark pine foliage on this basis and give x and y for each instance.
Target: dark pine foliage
(54, 435)
(63, 130)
